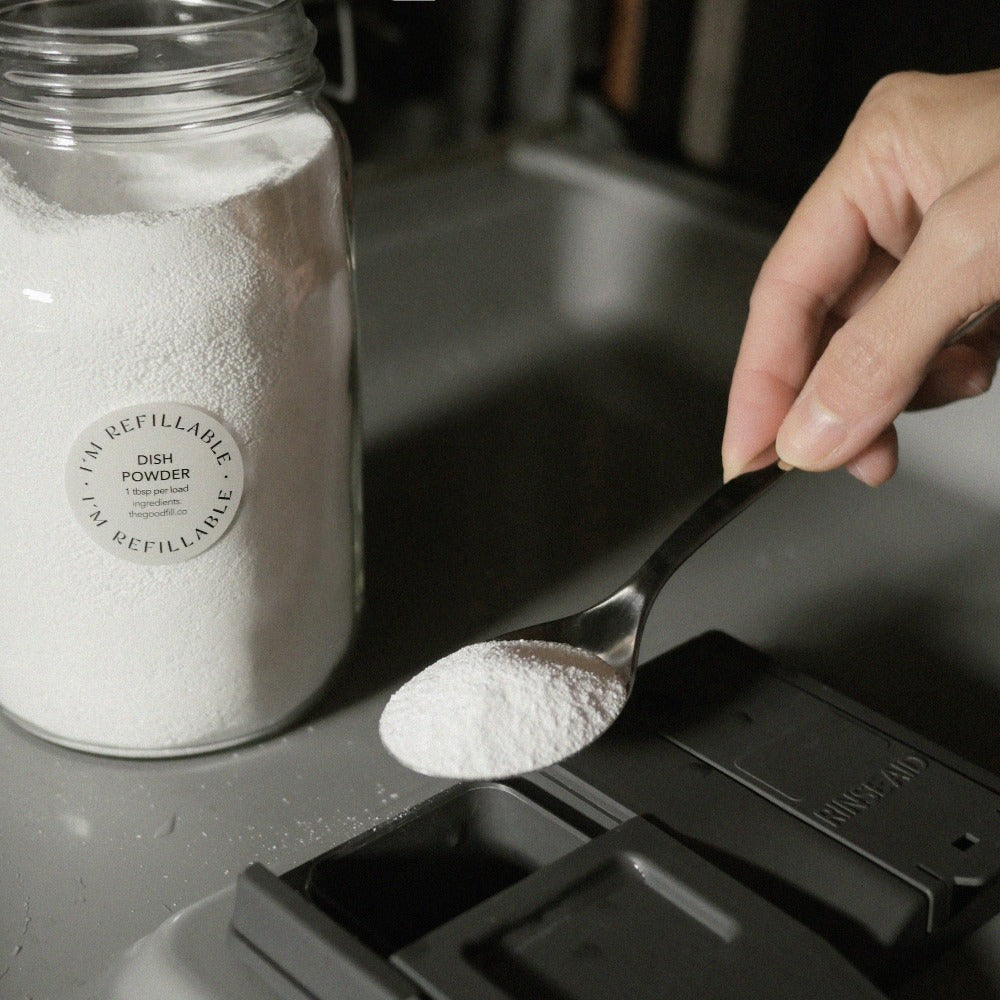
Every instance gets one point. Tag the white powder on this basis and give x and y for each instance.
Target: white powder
(224, 286)
(499, 708)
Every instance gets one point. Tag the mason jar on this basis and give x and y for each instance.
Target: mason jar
(180, 562)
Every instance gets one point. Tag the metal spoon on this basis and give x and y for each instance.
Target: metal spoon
(421, 727)
(612, 628)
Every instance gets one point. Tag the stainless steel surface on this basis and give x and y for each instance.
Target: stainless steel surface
(612, 628)
(546, 342)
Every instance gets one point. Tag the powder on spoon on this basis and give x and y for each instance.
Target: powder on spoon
(499, 708)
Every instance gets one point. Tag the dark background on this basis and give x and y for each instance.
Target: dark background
(437, 73)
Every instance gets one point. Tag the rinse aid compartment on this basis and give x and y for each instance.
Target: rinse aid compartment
(667, 859)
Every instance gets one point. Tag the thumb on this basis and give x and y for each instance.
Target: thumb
(874, 364)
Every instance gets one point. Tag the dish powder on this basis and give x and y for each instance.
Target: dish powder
(177, 425)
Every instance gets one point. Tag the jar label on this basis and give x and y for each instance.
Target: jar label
(156, 483)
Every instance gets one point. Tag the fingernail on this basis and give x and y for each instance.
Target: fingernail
(732, 464)
(976, 384)
(731, 469)
(810, 434)
(859, 472)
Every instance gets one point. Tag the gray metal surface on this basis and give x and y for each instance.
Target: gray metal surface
(546, 343)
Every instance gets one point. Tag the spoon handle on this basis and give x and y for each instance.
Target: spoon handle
(718, 510)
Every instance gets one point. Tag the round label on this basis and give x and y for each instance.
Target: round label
(156, 483)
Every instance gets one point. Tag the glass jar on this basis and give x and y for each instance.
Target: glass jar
(180, 567)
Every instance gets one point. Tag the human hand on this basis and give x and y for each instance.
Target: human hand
(854, 315)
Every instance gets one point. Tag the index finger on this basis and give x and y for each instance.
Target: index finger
(821, 254)
(815, 260)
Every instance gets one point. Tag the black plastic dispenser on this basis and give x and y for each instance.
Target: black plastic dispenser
(739, 832)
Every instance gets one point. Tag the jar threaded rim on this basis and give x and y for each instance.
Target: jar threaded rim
(145, 65)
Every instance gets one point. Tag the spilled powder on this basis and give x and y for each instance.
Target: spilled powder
(500, 708)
